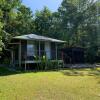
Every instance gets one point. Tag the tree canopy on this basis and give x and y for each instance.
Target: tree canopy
(75, 21)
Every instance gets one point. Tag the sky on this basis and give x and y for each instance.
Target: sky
(39, 4)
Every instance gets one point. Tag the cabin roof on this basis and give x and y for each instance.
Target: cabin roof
(38, 38)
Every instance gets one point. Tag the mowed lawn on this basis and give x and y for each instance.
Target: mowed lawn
(76, 84)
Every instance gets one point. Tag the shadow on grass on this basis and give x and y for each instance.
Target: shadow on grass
(81, 72)
(4, 71)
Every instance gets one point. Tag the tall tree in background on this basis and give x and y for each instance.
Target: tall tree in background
(9, 13)
(68, 17)
(78, 24)
(43, 21)
(55, 29)
(75, 22)
(1, 27)
(24, 23)
(16, 19)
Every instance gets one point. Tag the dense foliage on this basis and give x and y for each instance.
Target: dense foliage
(76, 21)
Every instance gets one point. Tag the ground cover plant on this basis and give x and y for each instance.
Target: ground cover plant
(70, 84)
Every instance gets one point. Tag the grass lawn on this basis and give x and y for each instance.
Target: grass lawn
(80, 84)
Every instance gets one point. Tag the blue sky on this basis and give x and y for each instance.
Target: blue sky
(39, 4)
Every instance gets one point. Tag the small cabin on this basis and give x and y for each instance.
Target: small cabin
(29, 49)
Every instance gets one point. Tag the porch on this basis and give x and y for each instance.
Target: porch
(38, 58)
(28, 51)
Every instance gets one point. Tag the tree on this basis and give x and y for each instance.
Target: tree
(24, 23)
(1, 26)
(68, 17)
(8, 13)
(43, 21)
(78, 24)
(55, 29)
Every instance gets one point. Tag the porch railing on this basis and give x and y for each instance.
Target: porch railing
(43, 55)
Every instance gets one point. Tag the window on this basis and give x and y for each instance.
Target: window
(30, 50)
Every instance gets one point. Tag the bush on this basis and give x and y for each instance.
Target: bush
(6, 61)
(49, 64)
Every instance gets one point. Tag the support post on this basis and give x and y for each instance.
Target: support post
(12, 58)
(26, 58)
(57, 56)
(25, 66)
(39, 50)
(56, 52)
(20, 54)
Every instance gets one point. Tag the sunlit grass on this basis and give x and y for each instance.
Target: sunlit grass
(80, 84)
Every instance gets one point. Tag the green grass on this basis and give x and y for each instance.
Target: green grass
(80, 84)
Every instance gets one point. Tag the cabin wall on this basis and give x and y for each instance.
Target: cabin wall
(33, 49)
(48, 50)
(23, 49)
(15, 50)
(30, 50)
(53, 51)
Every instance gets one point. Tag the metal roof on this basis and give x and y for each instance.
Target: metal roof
(38, 38)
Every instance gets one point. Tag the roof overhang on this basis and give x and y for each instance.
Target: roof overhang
(37, 38)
